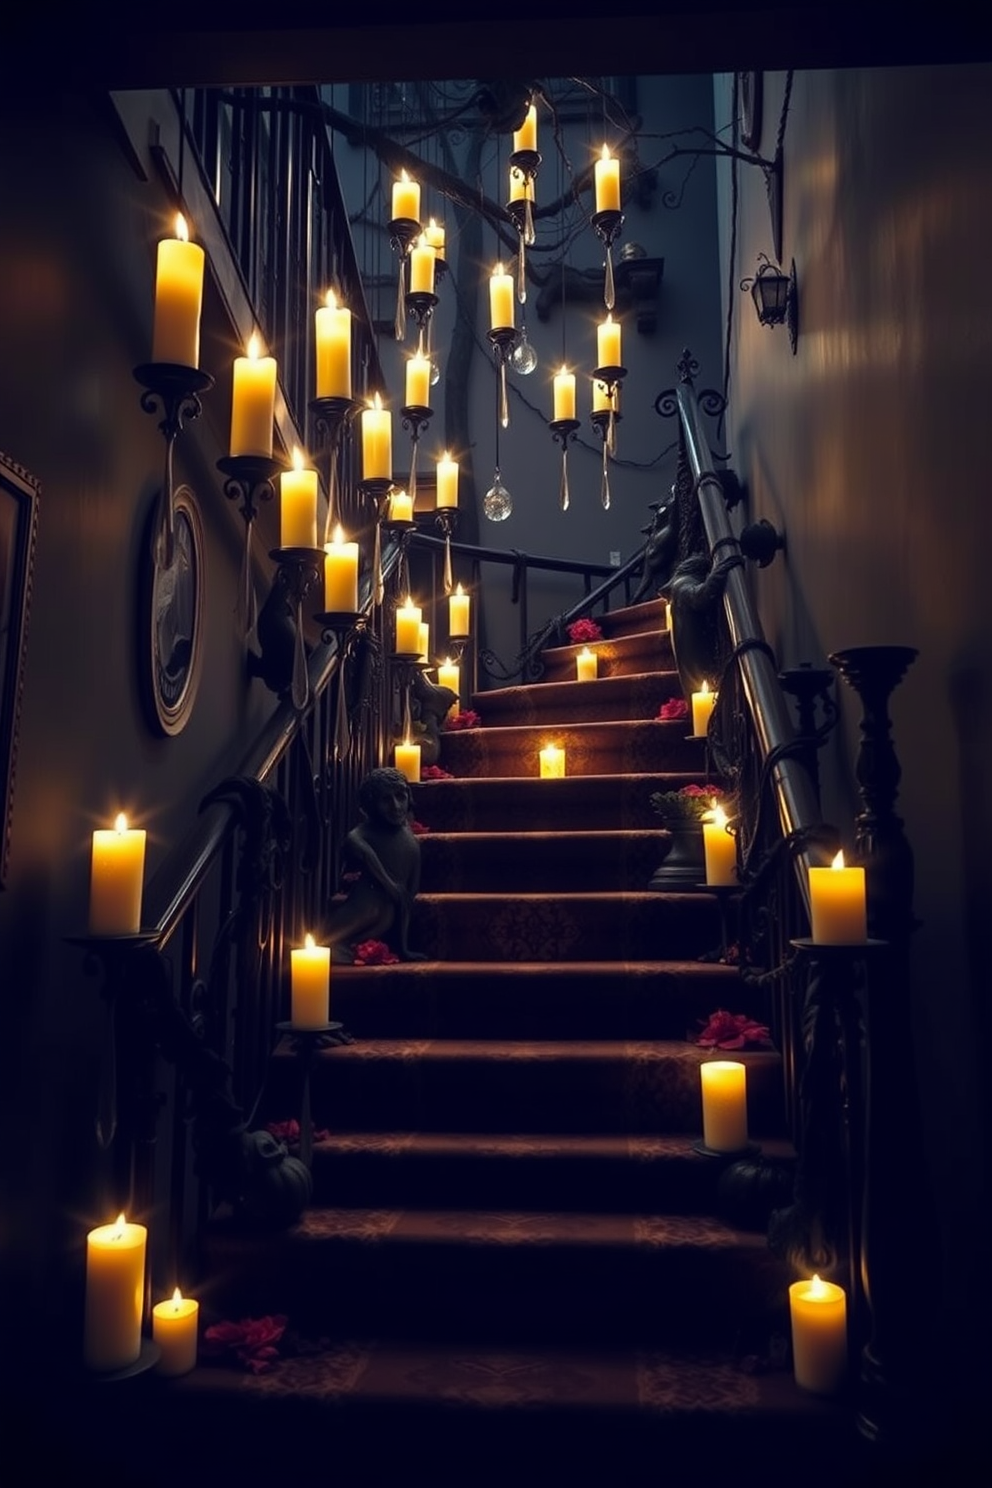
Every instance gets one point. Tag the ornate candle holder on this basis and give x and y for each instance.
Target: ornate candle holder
(446, 519)
(403, 233)
(524, 163)
(607, 226)
(606, 420)
(562, 430)
(375, 489)
(299, 569)
(176, 389)
(306, 1043)
(331, 418)
(414, 419)
(249, 481)
(421, 304)
(503, 340)
(405, 665)
(344, 627)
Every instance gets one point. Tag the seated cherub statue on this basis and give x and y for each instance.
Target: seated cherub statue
(384, 854)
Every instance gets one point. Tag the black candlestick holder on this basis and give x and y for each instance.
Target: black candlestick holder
(562, 430)
(607, 225)
(503, 339)
(606, 420)
(173, 390)
(343, 627)
(332, 417)
(403, 233)
(307, 1042)
(249, 481)
(375, 489)
(299, 569)
(414, 418)
(446, 519)
(421, 304)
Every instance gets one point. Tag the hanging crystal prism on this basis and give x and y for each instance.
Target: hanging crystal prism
(606, 476)
(504, 402)
(522, 272)
(497, 502)
(563, 488)
(449, 582)
(399, 326)
(609, 288)
(378, 586)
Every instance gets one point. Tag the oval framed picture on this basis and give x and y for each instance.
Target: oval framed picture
(173, 621)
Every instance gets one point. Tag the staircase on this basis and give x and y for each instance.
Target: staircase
(518, 1267)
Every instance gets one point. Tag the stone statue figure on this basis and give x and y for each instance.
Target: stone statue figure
(431, 702)
(384, 855)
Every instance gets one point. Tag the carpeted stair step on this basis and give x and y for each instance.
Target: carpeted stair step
(631, 926)
(501, 1275)
(447, 1084)
(528, 804)
(617, 656)
(621, 746)
(534, 1000)
(487, 862)
(634, 619)
(544, 704)
(511, 1170)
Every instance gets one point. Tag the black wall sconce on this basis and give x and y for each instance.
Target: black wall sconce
(775, 296)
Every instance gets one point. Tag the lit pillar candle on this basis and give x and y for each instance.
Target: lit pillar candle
(406, 198)
(608, 343)
(702, 707)
(253, 404)
(603, 399)
(178, 299)
(341, 575)
(333, 339)
(449, 675)
(447, 481)
(459, 612)
(607, 186)
(720, 849)
(724, 1089)
(174, 1325)
(117, 869)
(500, 299)
(668, 615)
(310, 984)
(418, 382)
(298, 505)
(424, 641)
(408, 618)
(586, 665)
(521, 185)
(525, 138)
(434, 233)
(422, 261)
(837, 904)
(407, 758)
(564, 394)
(552, 762)
(115, 1290)
(400, 506)
(377, 442)
(818, 1312)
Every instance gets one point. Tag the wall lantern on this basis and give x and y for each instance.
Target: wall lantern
(776, 297)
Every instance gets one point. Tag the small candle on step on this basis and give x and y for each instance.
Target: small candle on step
(586, 665)
(702, 706)
(552, 762)
(837, 904)
(310, 984)
(818, 1313)
(174, 1325)
(720, 848)
(724, 1090)
(407, 758)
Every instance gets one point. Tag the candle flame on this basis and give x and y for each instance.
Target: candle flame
(497, 270)
(119, 1230)
(432, 225)
(182, 231)
(404, 176)
(838, 861)
(338, 535)
(816, 1287)
(447, 661)
(564, 371)
(585, 653)
(459, 590)
(177, 1297)
(704, 690)
(609, 318)
(309, 942)
(718, 816)
(297, 458)
(606, 153)
(377, 403)
(120, 822)
(253, 348)
(331, 300)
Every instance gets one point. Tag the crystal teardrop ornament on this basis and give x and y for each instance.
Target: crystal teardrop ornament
(523, 358)
(497, 502)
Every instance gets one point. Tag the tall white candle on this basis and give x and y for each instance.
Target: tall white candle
(377, 442)
(724, 1091)
(115, 1292)
(400, 506)
(837, 904)
(607, 178)
(341, 575)
(449, 675)
(720, 849)
(608, 343)
(298, 505)
(418, 382)
(818, 1314)
(310, 984)
(253, 403)
(459, 610)
(525, 138)
(564, 394)
(333, 338)
(501, 308)
(703, 703)
(406, 198)
(552, 762)
(447, 481)
(407, 760)
(422, 262)
(117, 869)
(408, 618)
(178, 299)
(586, 665)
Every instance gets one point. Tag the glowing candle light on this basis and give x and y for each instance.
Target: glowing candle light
(253, 404)
(552, 762)
(720, 848)
(449, 675)
(607, 187)
(341, 575)
(525, 138)
(333, 340)
(837, 904)
(422, 261)
(400, 506)
(408, 618)
(407, 760)
(310, 984)
(608, 343)
(501, 306)
(424, 641)
(174, 1325)
(724, 1090)
(434, 233)
(703, 703)
(298, 505)
(564, 394)
(602, 397)
(406, 198)
(117, 868)
(115, 1289)
(447, 481)
(818, 1313)
(178, 299)
(521, 185)
(586, 665)
(459, 612)
(377, 442)
(668, 615)
(418, 381)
